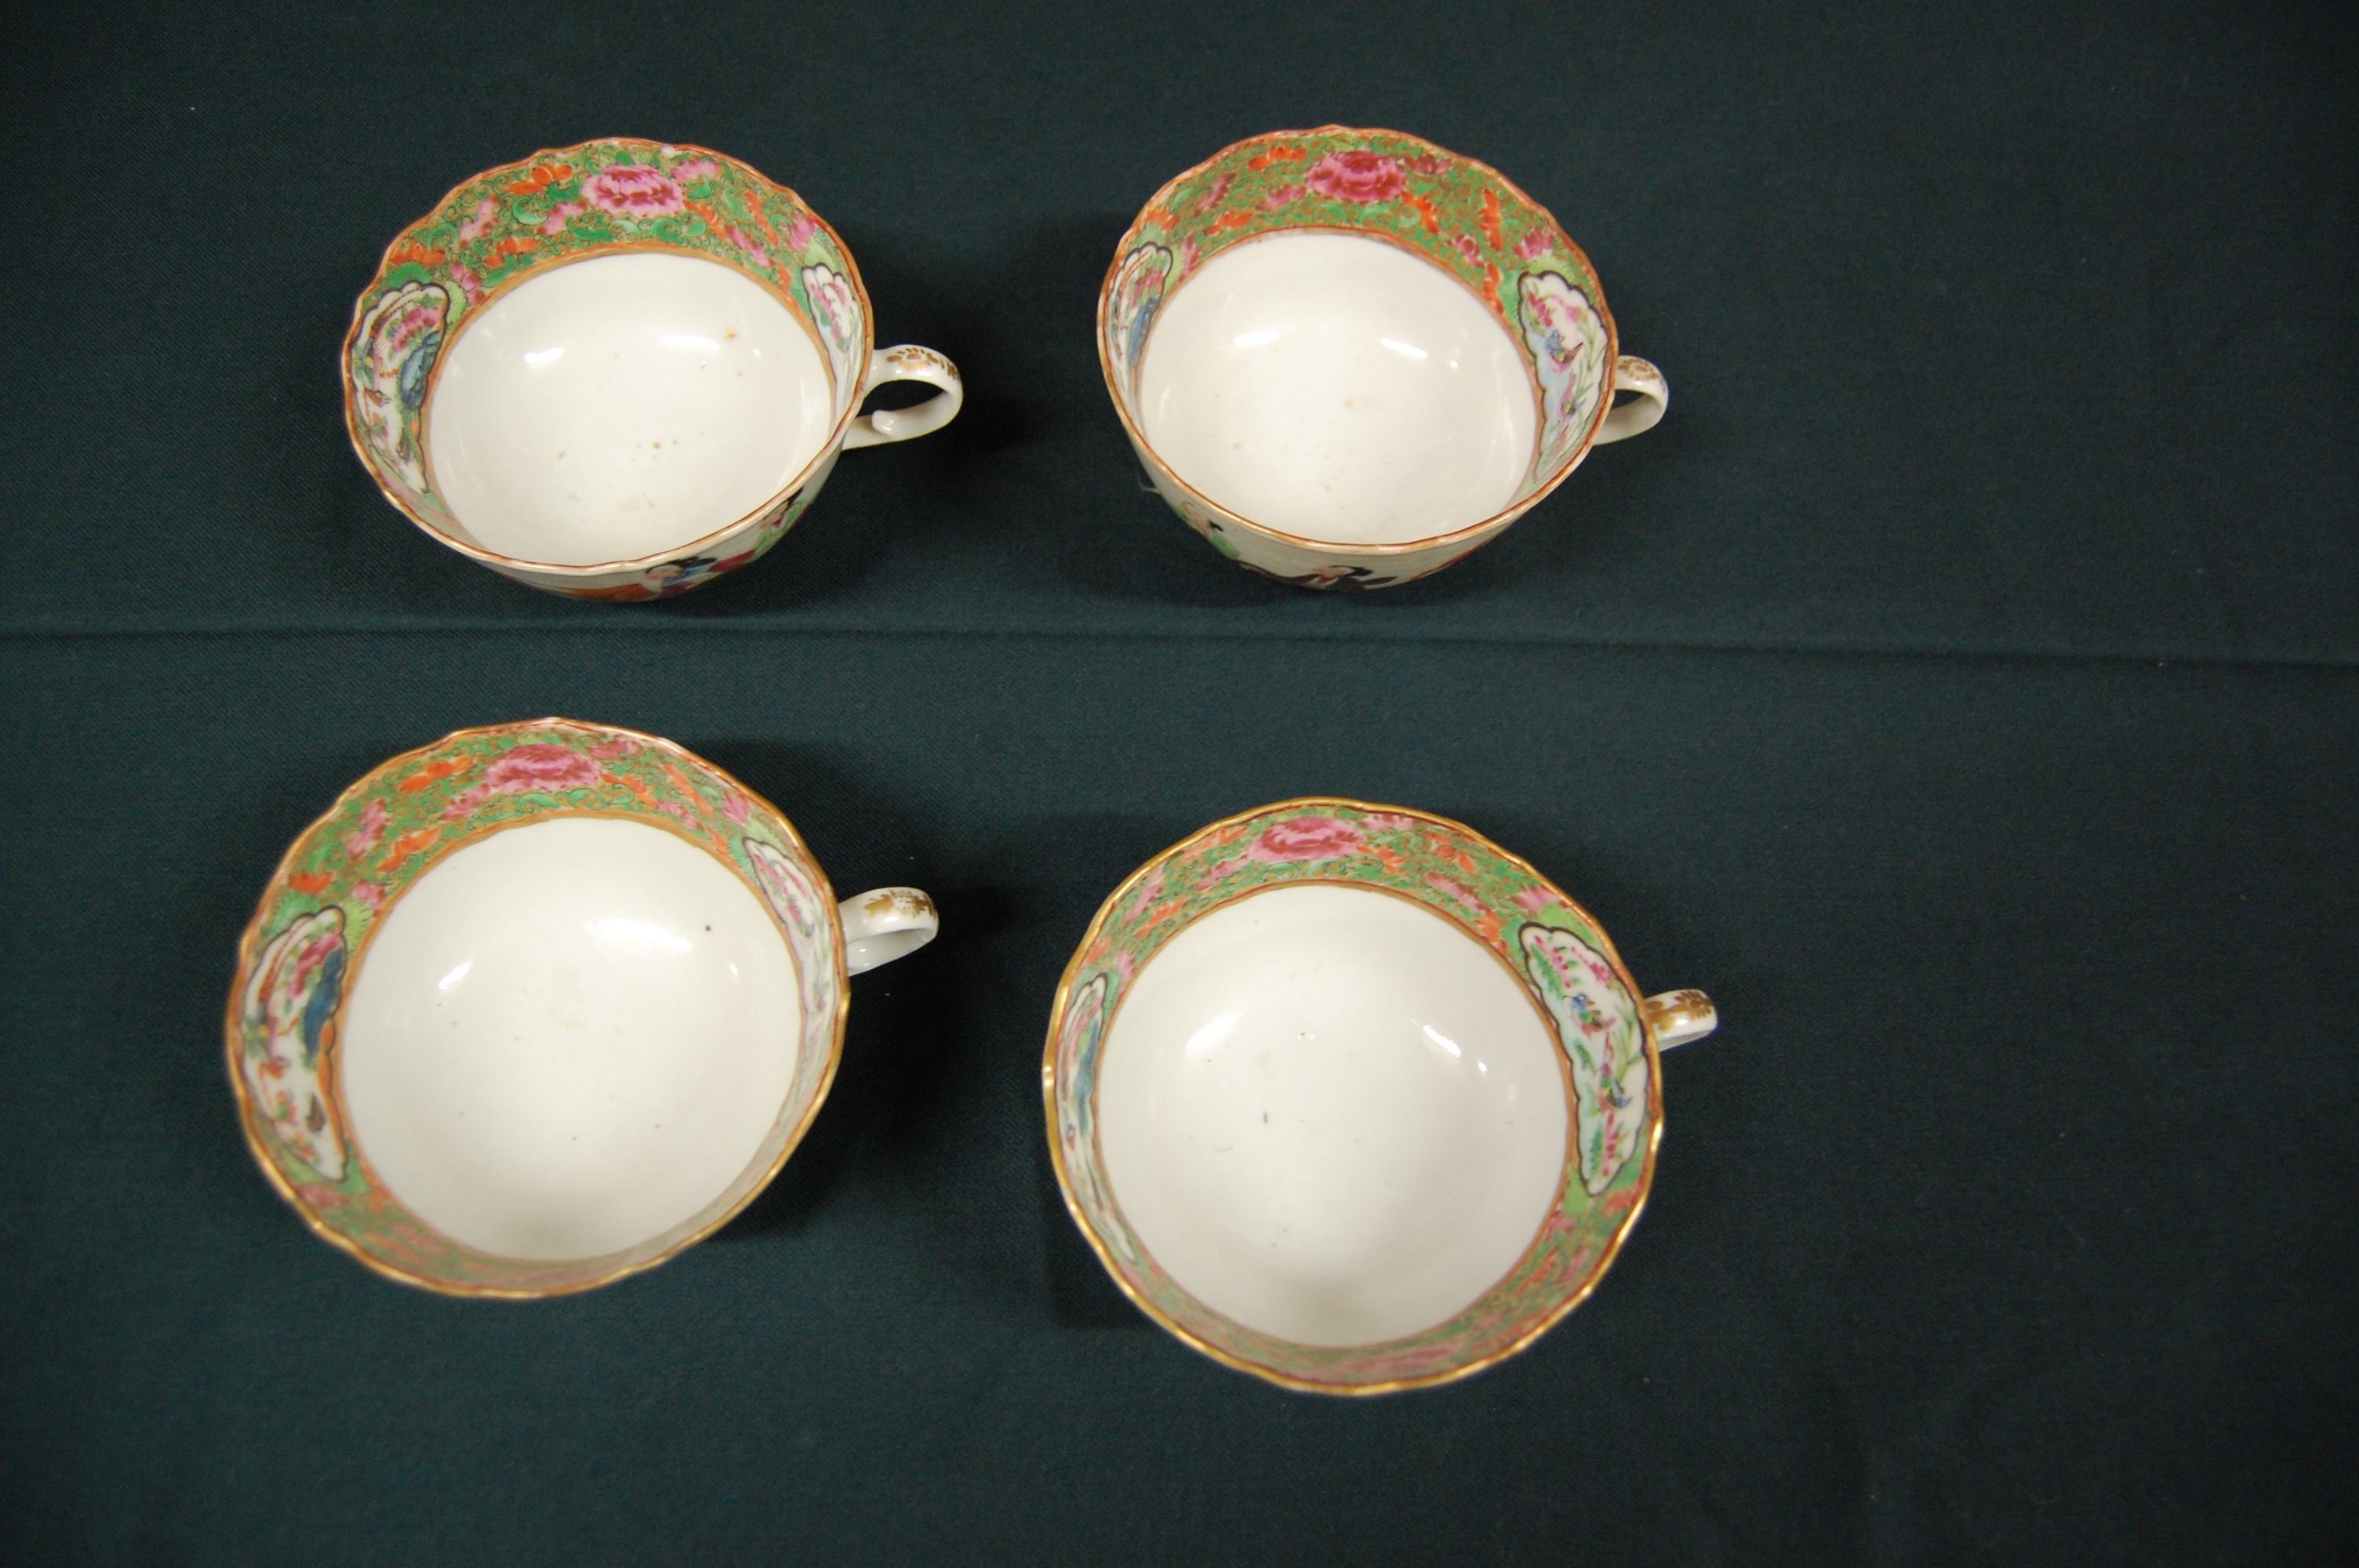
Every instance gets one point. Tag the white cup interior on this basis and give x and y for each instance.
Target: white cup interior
(1330, 1114)
(1338, 389)
(569, 1037)
(624, 407)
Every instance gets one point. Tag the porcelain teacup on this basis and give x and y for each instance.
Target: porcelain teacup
(1349, 357)
(618, 369)
(1349, 1098)
(538, 1005)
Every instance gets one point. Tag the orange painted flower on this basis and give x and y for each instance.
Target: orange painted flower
(448, 767)
(405, 846)
(542, 176)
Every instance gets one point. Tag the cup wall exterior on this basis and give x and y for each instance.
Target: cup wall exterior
(1302, 563)
(741, 545)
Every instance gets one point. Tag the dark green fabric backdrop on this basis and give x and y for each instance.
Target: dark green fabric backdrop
(1962, 684)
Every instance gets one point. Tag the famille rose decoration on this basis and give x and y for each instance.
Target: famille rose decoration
(1348, 357)
(618, 369)
(538, 1006)
(1349, 1098)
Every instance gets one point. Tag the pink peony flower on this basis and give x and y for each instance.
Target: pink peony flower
(733, 808)
(365, 837)
(1280, 197)
(1215, 193)
(405, 328)
(464, 803)
(540, 766)
(1125, 965)
(1533, 245)
(310, 959)
(744, 241)
(1190, 254)
(619, 746)
(633, 191)
(1458, 891)
(1306, 838)
(369, 896)
(1470, 248)
(1356, 175)
(1427, 165)
(468, 283)
(486, 212)
(559, 215)
(1537, 899)
(695, 168)
(799, 234)
(832, 302)
(1146, 894)
(1388, 822)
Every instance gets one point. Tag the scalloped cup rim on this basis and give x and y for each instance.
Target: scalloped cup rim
(1472, 533)
(801, 476)
(1528, 1333)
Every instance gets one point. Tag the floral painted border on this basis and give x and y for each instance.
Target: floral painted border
(510, 223)
(311, 930)
(1500, 901)
(1458, 212)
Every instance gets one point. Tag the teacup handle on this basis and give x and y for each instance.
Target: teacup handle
(1643, 412)
(907, 361)
(886, 923)
(1676, 1017)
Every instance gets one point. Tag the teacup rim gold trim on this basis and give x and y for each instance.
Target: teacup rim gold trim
(803, 476)
(1163, 1320)
(233, 1039)
(1472, 535)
